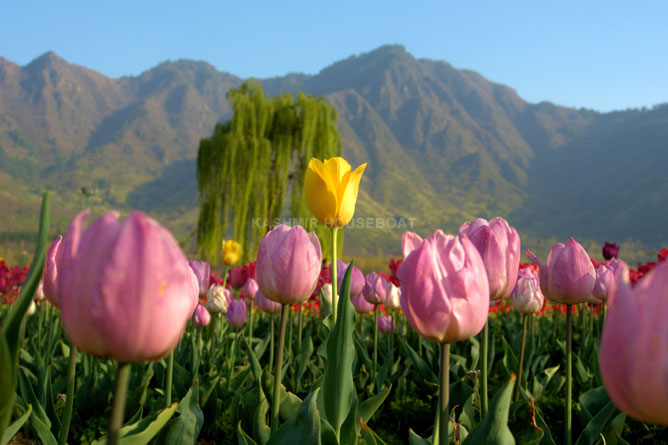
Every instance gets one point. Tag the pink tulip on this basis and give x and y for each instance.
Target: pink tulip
(444, 288)
(202, 271)
(634, 345)
(499, 247)
(527, 297)
(568, 277)
(386, 324)
(605, 276)
(409, 242)
(266, 305)
(288, 264)
(361, 305)
(202, 316)
(53, 256)
(125, 289)
(249, 290)
(356, 278)
(377, 288)
(236, 313)
(393, 299)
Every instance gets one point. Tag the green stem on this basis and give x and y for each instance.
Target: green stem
(299, 328)
(275, 402)
(118, 403)
(569, 372)
(483, 372)
(335, 290)
(518, 383)
(250, 324)
(69, 397)
(168, 385)
(375, 346)
(212, 334)
(443, 421)
(271, 342)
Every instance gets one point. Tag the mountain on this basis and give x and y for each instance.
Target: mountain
(443, 145)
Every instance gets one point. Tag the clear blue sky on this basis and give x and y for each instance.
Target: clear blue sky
(596, 54)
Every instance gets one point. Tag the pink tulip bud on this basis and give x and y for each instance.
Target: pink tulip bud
(377, 288)
(444, 288)
(361, 305)
(327, 292)
(202, 271)
(386, 324)
(218, 299)
(288, 264)
(249, 290)
(356, 278)
(499, 247)
(236, 313)
(634, 345)
(266, 305)
(393, 299)
(568, 277)
(605, 276)
(527, 297)
(53, 256)
(125, 289)
(202, 316)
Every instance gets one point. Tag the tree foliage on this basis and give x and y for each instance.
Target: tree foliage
(252, 163)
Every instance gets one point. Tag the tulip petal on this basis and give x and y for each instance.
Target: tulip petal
(409, 242)
(321, 195)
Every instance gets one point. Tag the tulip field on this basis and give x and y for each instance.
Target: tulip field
(113, 335)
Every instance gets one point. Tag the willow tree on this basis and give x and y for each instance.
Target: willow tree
(254, 162)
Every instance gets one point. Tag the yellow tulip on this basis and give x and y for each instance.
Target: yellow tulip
(231, 252)
(331, 189)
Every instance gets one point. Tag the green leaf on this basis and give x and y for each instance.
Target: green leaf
(42, 430)
(493, 430)
(422, 367)
(338, 388)
(415, 439)
(29, 396)
(242, 437)
(304, 428)
(141, 432)
(370, 405)
(290, 403)
(255, 364)
(524, 427)
(185, 428)
(7, 384)
(597, 424)
(260, 428)
(370, 437)
(14, 428)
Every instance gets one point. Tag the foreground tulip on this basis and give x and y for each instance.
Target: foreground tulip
(444, 297)
(126, 290)
(231, 252)
(567, 277)
(386, 324)
(356, 279)
(288, 264)
(634, 346)
(202, 316)
(202, 271)
(376, 288)
(330, 189)
(361, 305)
(236, 313)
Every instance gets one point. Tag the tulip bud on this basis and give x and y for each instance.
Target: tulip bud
(202, 271)
(361, 305)
(330, 189)
(250, 289)
(288, 264)
(377, 288)
(50, 280)
(444, 288)
(125, 289)
(605, 276)
(568, 277)
(39, 293)
(499, 248)
(386, 324)
(527, 297)
(327, 292)
(266, 305)
(32, 308)
(634, 345)
(202, 316)
(356, 278)
(236, 313)
(610, 251)
(218, 299)
(393, 298)
(231, 252)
